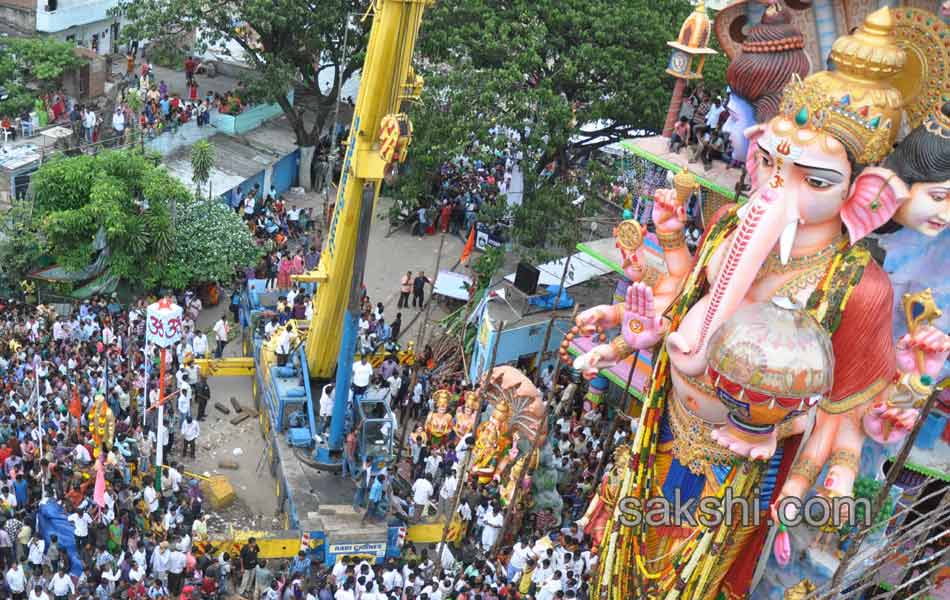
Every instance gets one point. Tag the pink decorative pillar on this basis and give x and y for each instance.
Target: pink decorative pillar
(675, 103)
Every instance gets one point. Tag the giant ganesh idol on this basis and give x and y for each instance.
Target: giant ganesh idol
(729, 407)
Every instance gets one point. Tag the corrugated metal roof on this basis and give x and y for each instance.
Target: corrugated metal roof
(237, 158)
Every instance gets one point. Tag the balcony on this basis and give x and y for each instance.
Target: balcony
(71, 13)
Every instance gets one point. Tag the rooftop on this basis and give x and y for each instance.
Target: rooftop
(237, 158)
(720, 178)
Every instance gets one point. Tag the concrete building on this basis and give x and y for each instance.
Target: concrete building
(85, 22)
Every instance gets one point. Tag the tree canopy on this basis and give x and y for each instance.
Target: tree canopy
(549, 82)
(27, 63)
(285, 42)
(125, 197)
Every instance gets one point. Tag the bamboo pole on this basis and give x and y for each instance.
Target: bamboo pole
(466, 467)
(609, 434)
(550, 327)
(428, 308)
(896, 467)
(535, 446)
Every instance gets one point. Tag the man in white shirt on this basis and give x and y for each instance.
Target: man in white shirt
(176, 569)
(160, 559)
(80, 527)
(118, 123)
(391, 579)
(16, 580)
(283, 345)
(520, 553)
(551, 587)
(447, 492)
(82, 454)
(151, 499)
(189, 433)
(61, 585)
(136, 573)
(493, 521)
(200, 344)
(362, 372)
(326, 407)
(421, 493)
(712, 117)
(38, 593)
(89, 124)
(184, 396)
(220, 335)
(174, 477)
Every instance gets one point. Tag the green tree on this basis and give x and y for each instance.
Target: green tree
(211, 243)
(202, 160)
(27, 63)
(548, 81)
(285, 41)
(21, 245)
(127, 198)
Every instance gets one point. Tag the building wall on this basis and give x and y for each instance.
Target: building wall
(514, 344)
(84, 34)
(71, 13)
(19, 14)
(285, 172)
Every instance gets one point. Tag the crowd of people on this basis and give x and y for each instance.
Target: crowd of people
(549, 557)
(82, 514)
(462, 188)
(699, 129)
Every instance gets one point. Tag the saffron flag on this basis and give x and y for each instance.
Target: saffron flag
(75, 405)
(469, 245)
(99, 492)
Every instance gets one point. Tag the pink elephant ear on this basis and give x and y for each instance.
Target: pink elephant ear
(752, 134)
(875, 196)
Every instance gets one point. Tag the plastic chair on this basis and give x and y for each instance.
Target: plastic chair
(26, 129)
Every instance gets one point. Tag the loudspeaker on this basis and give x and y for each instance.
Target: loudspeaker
(526, 278)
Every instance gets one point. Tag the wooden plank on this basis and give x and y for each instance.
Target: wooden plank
(240, 419)
(224, 409)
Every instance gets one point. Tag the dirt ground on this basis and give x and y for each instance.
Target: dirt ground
(256, 506)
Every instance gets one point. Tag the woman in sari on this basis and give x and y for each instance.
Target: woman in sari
(284, 271)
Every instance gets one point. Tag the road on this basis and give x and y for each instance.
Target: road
(388, 258)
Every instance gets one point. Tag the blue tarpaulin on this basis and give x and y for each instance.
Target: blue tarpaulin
(554, 294)
(51, 520)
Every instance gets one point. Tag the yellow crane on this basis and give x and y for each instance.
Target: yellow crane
(379, 135)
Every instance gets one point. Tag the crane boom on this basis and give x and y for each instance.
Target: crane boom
(386, 80)
(378, 136)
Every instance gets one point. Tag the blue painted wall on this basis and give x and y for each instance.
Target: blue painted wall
(517, 342)
(284, 176)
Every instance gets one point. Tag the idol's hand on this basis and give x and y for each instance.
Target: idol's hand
(642, 328)
(595, 319)
(923, 352)
(887, 425)
(668, 215)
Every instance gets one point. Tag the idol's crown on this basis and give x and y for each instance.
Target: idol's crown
(863, 130)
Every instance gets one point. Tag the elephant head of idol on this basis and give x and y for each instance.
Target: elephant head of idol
(772, 52)
(808, 185)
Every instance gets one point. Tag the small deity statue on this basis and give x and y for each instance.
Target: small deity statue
(490, 442)
(439, 423)
(510, 481)
(101, 424)
(518, 412)
(601, 507)
(466, 415)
